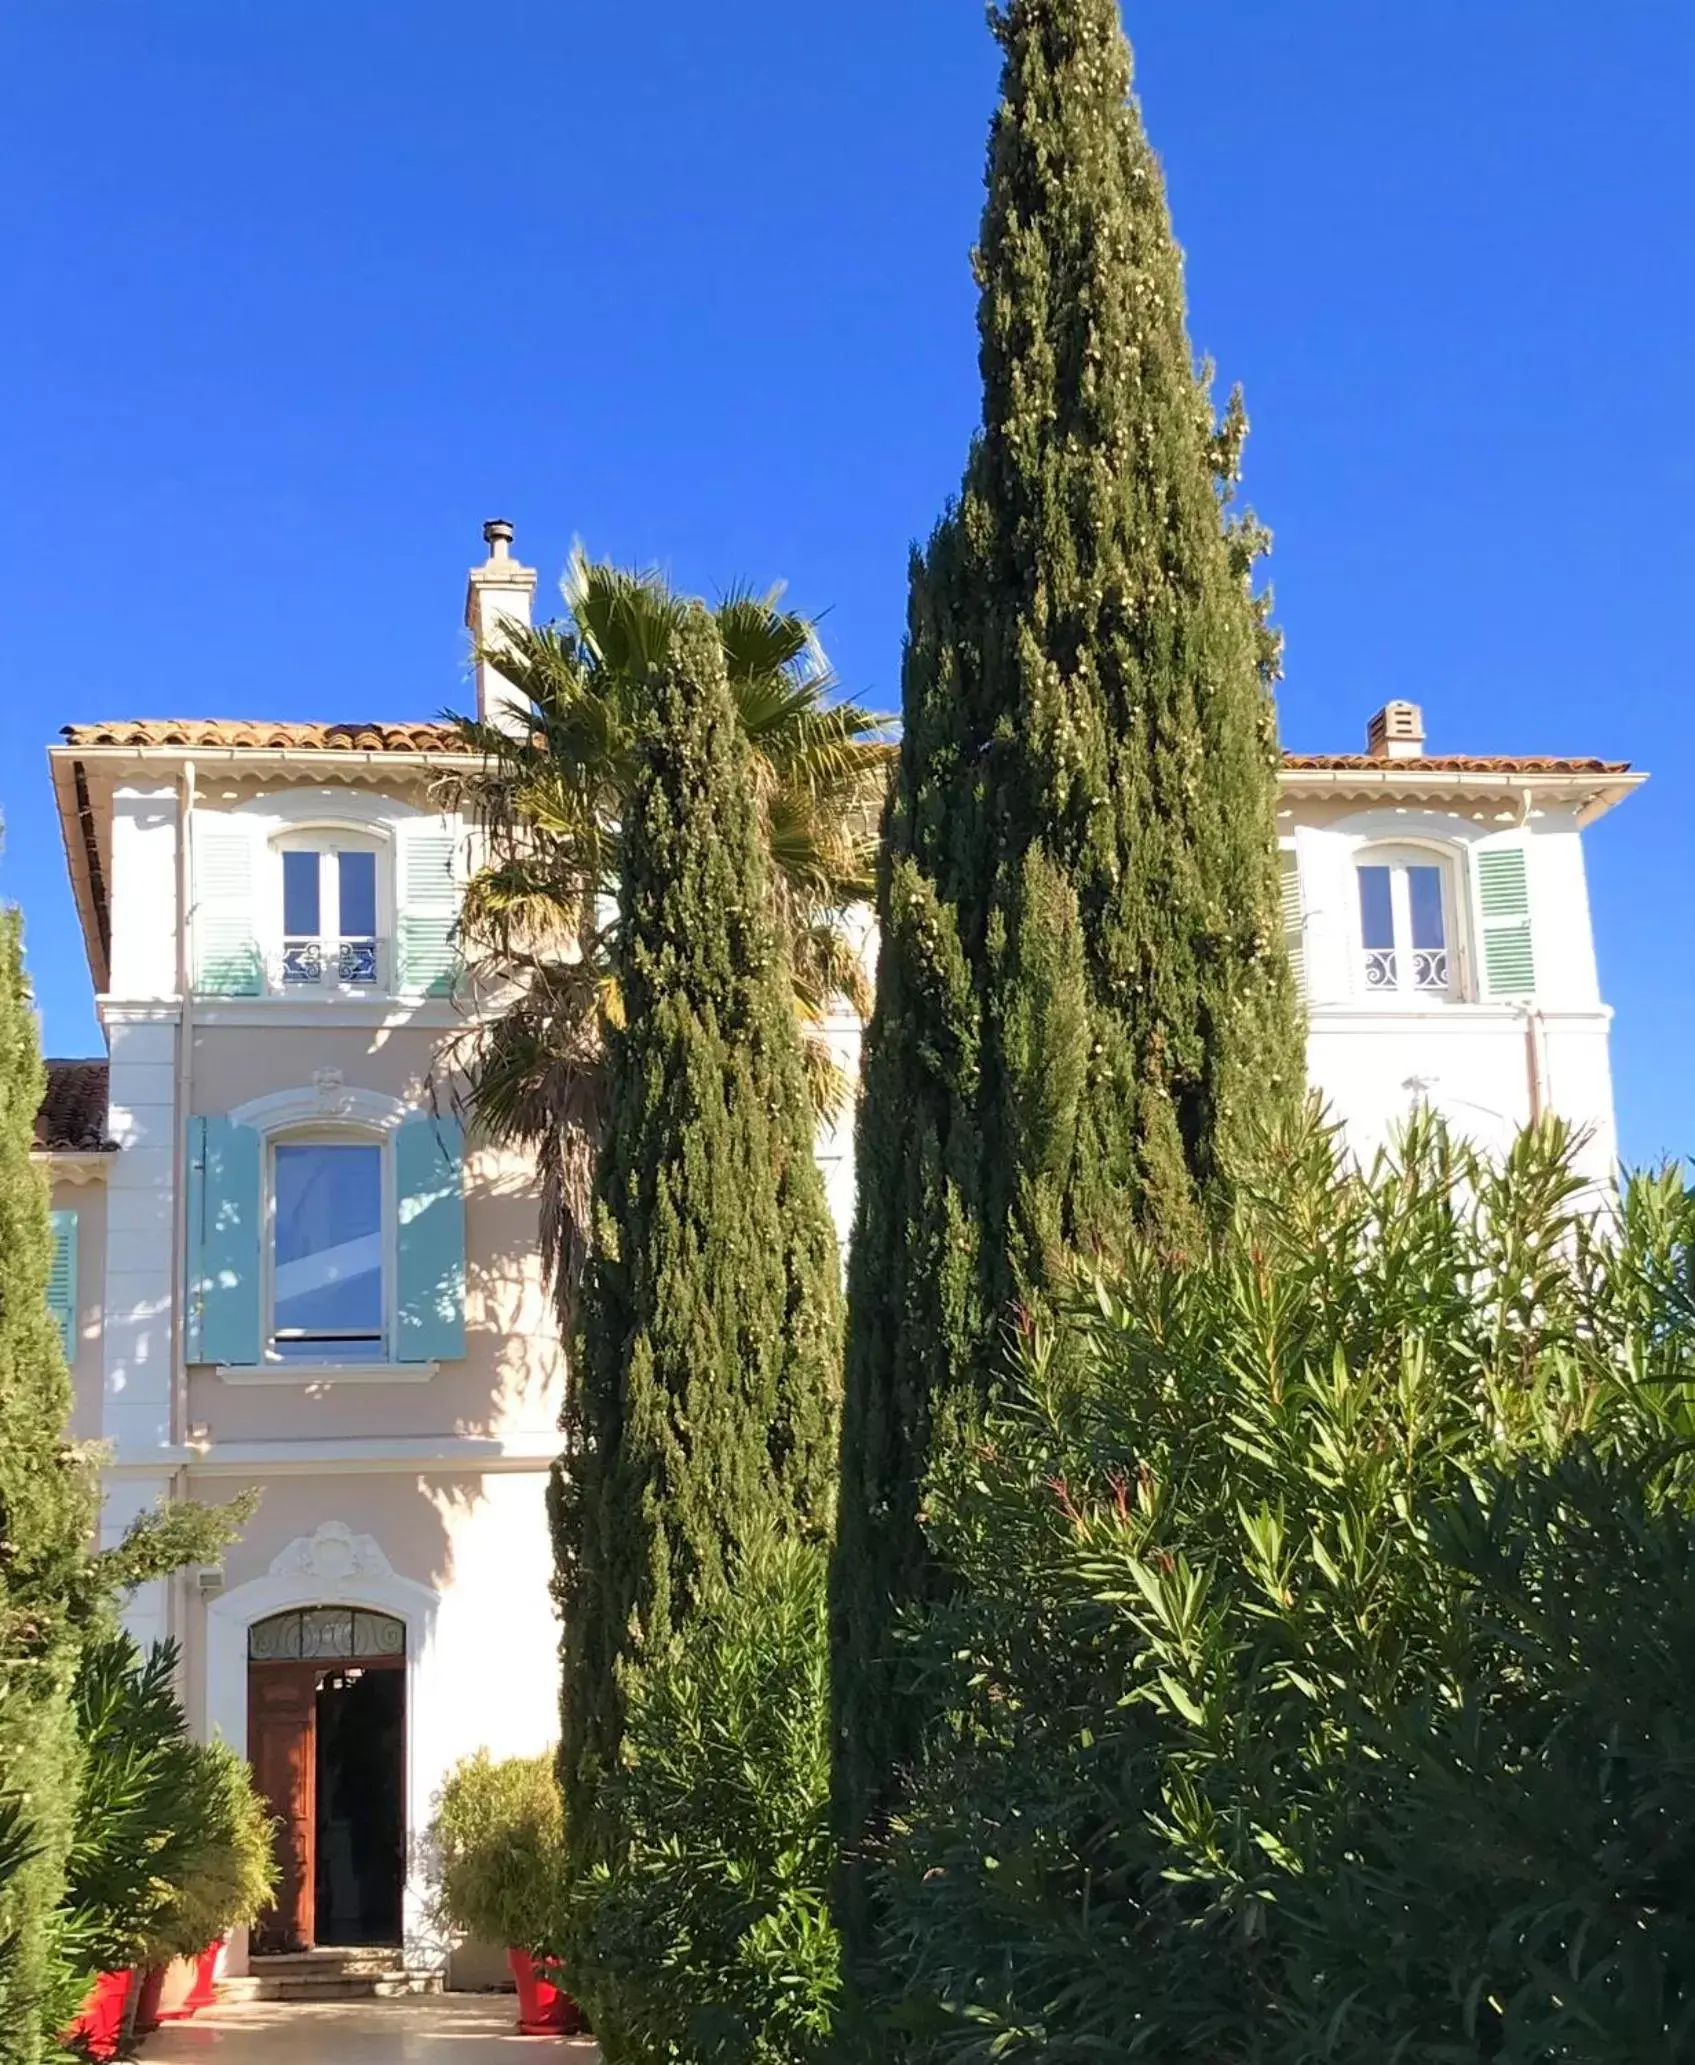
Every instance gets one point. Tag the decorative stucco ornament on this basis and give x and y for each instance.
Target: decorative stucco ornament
(331, 1554)
(335, 1100)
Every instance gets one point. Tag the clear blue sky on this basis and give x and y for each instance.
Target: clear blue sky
(298, 294)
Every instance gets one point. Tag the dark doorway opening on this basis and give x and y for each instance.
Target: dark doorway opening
(361, 1818)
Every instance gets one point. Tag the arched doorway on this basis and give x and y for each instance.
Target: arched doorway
(326, 1728)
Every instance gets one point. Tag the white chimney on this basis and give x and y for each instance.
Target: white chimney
(498, 595)
(1396, 732)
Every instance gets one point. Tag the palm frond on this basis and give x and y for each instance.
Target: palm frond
(539, 920)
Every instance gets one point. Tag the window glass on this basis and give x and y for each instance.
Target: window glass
(300, 895)
(329, 1262)
(325, 1631)
(358, 894)
(1424, 897)
(1377, 915)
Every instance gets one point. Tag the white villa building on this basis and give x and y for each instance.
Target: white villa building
(280, 1265)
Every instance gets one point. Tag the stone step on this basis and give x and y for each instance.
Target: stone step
(345, 1957)
(329, 1975)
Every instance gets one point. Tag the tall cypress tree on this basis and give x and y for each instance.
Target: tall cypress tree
(46, 1517)
(706, 1393)
(1082, 991)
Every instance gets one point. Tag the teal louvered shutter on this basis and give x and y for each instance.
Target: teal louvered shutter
(224, 1223)
(1294, 925)
(62, 1280)
(226, 913)
(429, 1183)
(1503, 906)
(428, 911)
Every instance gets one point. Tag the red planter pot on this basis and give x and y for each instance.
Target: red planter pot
(147, 1999)
(100, 2026)
(544, 2009)
(204, 1992)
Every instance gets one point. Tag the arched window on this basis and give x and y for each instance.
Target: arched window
(329, 1214)
(334, 895)
(339, 1633)
(1408, 920)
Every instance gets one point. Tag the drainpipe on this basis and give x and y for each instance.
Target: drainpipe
(179, 1153)
(1535, 1029)
(1535, 1060)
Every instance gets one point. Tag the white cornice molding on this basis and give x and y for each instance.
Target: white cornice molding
(1464, 1021)
(138, 1010)
(328, 1014)
(417, 1455)
(162, 1462)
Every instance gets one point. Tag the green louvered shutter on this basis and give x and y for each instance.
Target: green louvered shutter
(226, 948)
(1503, 905)
(428, 897)
(429, 1183)
(62, 1280)
(1294, 927)
(224, 1227)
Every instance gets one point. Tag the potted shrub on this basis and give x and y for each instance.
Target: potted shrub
(225, 1879)
(500, 1860)
(134, 1827)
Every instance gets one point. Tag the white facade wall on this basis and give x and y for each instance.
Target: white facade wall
(1488, 1065)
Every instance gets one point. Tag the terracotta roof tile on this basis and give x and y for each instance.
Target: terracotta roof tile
(264, 737)
(1450, 763)
(444, 738)
(72, 1118)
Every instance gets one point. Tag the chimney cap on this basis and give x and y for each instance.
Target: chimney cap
(497, 535)
(1396, 732)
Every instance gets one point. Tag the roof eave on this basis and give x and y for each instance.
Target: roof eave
(261, 756)
(63, 762)
(1591, 794)
(74, 1164)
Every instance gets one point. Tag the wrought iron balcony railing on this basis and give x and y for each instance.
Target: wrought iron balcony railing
(1426, 966)
(331, 963)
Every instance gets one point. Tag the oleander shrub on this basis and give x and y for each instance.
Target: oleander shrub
(706, 1935)
(1319, 1640)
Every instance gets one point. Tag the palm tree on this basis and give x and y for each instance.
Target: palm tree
(539, 927)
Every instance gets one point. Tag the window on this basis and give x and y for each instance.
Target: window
(336, 1632)
(1406, 929)
(329, 1298)
(331, 895)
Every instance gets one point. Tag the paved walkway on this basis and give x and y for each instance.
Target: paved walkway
(454, 2029)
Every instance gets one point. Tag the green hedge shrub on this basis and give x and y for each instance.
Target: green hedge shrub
(1320, 1642)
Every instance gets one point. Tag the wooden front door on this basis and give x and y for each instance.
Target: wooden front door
(282, 1708)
